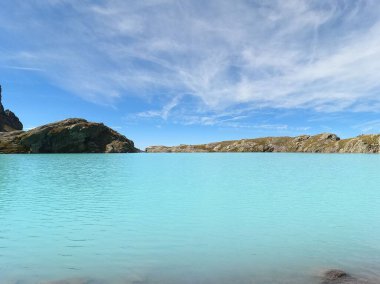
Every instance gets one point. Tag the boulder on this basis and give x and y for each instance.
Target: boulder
(329, 136)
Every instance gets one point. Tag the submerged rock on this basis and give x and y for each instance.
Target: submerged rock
(68, 136)
(336, 276)
(8, 120)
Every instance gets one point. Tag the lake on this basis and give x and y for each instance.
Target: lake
(188, 218)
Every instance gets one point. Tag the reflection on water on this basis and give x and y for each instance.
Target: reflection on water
(188, 218)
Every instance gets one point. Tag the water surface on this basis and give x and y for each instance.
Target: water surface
(188, 218)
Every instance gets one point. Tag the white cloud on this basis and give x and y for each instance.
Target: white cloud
(23, 68)
(320, 55)
(163, 113)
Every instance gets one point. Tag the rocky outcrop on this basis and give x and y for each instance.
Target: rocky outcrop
(321, 143)
(67, 136)
(8, 120)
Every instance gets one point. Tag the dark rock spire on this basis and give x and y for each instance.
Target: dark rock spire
(8, 120)
(1, 105)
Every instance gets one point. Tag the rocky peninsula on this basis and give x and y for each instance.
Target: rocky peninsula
(73, 135)
(68, 136)
(321, 143)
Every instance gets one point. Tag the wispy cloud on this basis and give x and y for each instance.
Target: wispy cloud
(162, 113)
(23, 68)
(318, 55)
(372, 126)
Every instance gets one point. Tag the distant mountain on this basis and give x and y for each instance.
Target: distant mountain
(321, 143)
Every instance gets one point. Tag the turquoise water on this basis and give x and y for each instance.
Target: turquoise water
(188, 218)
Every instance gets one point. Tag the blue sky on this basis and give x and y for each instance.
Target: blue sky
(170, 72)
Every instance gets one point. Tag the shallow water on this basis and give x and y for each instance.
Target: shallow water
(188, 218)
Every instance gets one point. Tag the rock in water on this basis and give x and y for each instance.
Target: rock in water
(337, 276)
(8, 120)
(68, 136)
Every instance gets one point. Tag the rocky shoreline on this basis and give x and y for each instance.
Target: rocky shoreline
(321, 143)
